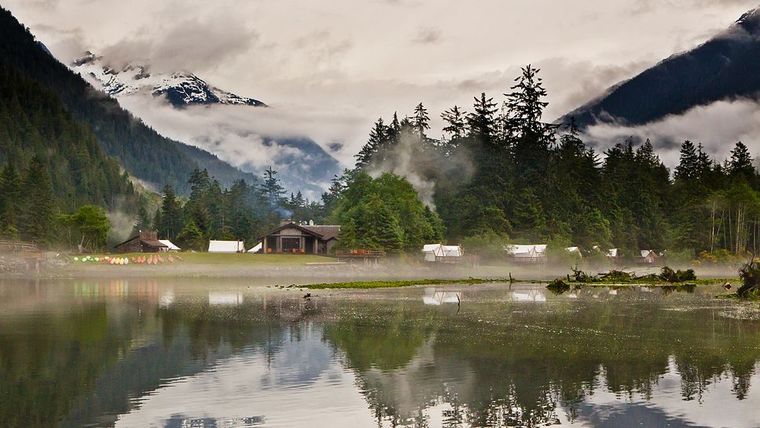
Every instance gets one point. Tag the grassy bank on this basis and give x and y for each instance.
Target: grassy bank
(398, 284)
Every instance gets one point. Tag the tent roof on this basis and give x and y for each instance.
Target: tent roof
(256, 248)
(169, 244)
(443, 250)
(226, 246)
(526, 250)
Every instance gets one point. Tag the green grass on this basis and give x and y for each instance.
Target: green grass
(398, 284)
(239, 259)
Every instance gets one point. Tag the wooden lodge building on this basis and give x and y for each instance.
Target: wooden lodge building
(293, 238)
(143, 242)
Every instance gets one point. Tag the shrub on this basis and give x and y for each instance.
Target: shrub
(750, 275)
(558, 286)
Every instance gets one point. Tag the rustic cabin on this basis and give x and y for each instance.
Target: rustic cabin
(293, 238)
(143, 242)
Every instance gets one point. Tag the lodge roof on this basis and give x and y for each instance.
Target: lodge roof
(327, 232)
(324, 232)
(150, 242)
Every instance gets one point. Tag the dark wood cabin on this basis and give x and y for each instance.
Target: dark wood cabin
(143, 242)
(293, 238)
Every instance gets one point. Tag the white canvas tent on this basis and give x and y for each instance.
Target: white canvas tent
(527, 253)
(169, 245)
(226, 247)
(576, 251)
(435, 251)
(256, 248)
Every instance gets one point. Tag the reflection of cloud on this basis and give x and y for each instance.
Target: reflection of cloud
(437, 298)
(225, 299)
(529, 296)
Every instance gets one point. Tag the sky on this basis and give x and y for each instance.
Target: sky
(331, 68)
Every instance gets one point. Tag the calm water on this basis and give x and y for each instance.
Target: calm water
(205, 353)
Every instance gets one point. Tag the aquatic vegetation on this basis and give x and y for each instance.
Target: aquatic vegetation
(558, 286)
(750, 276)
(667, 275)
(670, 275)
(397, 284)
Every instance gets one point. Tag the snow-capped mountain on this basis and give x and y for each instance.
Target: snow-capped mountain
(214, 120)
(180, 89)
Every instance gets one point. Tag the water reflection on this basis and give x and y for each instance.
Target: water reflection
(531, 296)
(147, 353)
(435, 297)
(233, 299)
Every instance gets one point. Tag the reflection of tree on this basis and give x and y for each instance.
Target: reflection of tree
(519, 367)
(87, 364)
(386, 341)
(49, 362)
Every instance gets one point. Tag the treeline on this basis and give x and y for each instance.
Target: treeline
(241, 212)
(503, 174)
(50, 164)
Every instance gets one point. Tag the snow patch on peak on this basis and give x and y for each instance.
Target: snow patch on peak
(750, 15)
(180, 89)
(750, 21)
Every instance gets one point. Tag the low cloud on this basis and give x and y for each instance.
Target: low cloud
(427, 36)
(729, 122)
(234, 133)
(192, 45)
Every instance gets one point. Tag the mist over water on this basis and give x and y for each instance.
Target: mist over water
(226, 352)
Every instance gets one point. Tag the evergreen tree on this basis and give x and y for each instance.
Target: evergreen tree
(688, 166)
(456, 125)
(191, 237)
(482, 121)
(36, 213)
(170, 219)
(143, 222)
(421, 120)
(10, 187)
(377, 143)
(271, 189)
(740, 164)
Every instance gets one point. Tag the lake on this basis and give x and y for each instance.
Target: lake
(229, 353)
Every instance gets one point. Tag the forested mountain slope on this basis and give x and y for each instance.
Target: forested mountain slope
(725, 67)
(143, 152)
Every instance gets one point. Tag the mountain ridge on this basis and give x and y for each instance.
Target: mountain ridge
(722, 68)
